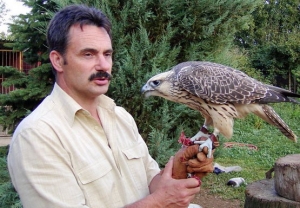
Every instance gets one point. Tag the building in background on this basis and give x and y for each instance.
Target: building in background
(13, 58)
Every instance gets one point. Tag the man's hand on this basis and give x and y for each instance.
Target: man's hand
(189, 160)
(169, 192)
(201, 166)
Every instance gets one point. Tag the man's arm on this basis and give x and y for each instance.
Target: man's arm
(168, 192)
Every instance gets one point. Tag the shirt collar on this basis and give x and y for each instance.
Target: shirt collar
(69, 106)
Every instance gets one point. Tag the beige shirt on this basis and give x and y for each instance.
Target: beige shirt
(61, 157)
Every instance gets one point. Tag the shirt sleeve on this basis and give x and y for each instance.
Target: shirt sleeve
(41, 171)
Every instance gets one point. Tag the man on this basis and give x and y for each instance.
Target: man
(77, 148)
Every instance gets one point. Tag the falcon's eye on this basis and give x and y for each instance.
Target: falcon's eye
(155, 83)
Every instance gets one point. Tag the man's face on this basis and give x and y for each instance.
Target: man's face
(89, 51)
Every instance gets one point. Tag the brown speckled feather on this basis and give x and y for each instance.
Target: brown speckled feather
(221, 84)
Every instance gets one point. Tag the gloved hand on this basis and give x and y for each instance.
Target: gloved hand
(201, 165)
(189, 160)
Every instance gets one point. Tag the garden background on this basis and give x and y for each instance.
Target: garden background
(261, 38)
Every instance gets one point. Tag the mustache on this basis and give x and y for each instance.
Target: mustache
(101, 75)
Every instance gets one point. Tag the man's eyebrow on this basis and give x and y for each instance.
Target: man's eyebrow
(89, 50)
(109, 51)
(95, 50)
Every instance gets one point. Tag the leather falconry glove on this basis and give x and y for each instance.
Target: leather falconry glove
(201, 165)
(189, 162)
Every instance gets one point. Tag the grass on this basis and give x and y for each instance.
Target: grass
(270, 142)
(255, 163)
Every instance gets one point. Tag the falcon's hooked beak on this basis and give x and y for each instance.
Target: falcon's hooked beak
(149, 87)
(157, 85)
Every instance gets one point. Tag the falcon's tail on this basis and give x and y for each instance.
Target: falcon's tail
(273, 118)
(276, 94)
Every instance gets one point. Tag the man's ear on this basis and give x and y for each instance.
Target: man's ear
(57, 60)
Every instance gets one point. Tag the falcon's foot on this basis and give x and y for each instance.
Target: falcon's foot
(207, 142)
(208, 145)
(204, 138)
(205, 146)
(202, 133)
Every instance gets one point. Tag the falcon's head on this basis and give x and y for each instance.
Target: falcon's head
(158, 85)
(166, 85)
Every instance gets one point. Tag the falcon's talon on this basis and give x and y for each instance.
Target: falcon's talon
(209, 144)
(199, 135)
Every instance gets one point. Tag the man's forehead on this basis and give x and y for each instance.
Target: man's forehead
(90, 36)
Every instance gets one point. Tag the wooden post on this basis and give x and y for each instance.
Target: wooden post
(287, 177)
(262, 194)
(281, 192)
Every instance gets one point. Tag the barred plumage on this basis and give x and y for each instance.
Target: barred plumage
(221, 94)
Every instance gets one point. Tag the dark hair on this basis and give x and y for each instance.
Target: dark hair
(59, 26)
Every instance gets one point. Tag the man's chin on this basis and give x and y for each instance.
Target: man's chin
(102, 89)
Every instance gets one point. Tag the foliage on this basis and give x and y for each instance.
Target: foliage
(8, 195)
(3, 11)
(29, 31)
(28, 34)
(30, 91)
(273, 42)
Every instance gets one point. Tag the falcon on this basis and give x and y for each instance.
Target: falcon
(221, 94)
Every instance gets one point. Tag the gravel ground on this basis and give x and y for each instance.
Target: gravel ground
(206, 200)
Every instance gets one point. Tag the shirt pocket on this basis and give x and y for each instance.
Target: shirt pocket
(93, 172)
(97, 183)
(134, 152)
(136, 167)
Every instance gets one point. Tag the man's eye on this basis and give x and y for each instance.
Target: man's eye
(88, 54)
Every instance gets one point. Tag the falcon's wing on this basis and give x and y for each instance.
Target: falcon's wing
(218, 84)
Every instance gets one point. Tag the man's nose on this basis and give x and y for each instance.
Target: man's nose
(103, 63)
